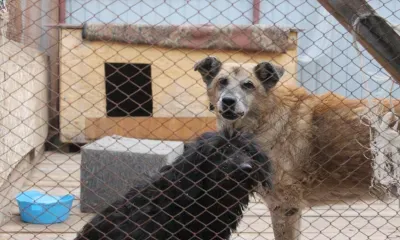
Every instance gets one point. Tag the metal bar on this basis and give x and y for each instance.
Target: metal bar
(372, 31)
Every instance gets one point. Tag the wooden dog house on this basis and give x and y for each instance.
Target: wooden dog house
(159, 60)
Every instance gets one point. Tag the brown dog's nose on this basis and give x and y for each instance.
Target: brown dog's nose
(228, 102)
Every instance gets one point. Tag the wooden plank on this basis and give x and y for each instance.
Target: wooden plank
(345, 235)
(56, 181)
(178, 129)
(53, 183)
(56, 171)
(62, 158)
(72, 225)
(236, 236)
(357, 210)
(55, 190)
(374, 33)
(326, 224)
(51, 168)
(249, 224)
(37, 236)
(261, 210)
(63, 161)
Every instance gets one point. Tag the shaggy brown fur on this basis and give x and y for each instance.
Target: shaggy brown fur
(317, 143)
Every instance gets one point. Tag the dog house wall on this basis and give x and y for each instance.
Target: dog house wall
(180, 104)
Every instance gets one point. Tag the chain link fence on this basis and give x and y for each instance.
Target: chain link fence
(199, 119)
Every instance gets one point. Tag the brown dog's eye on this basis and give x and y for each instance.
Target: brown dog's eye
(248, 85)
(223, 82)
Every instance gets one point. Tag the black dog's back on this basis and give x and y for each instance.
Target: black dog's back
(193, 199)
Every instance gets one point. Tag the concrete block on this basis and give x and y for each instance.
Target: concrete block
(113, 164)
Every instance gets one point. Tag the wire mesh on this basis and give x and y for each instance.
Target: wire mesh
(190, 119)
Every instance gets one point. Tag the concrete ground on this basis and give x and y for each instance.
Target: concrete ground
(60, 174)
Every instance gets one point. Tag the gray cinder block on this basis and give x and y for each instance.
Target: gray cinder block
(112, 165)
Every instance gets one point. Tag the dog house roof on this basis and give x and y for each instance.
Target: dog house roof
(261, 38)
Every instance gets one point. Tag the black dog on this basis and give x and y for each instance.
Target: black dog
(202, 195)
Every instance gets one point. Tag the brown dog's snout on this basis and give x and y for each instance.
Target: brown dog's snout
(228, 102)
(228, 108)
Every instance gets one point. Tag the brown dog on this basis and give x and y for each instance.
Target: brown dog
(317, 143)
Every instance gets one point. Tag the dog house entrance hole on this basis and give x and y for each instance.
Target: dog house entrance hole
(128, 90)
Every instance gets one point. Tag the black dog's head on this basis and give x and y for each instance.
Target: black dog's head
(233, 158)
(227, 159)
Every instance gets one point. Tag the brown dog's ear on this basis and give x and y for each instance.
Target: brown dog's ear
(209, 67)
(268, 74)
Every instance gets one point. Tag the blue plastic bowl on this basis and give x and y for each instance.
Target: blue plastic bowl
(36, 207)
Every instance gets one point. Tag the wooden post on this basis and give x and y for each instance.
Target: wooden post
(372, 31)
(14, 25)
(53, 12)
(62, 11)
(256, 11)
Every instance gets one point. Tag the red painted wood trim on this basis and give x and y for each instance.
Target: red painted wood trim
(62, 11)
(256, 11)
